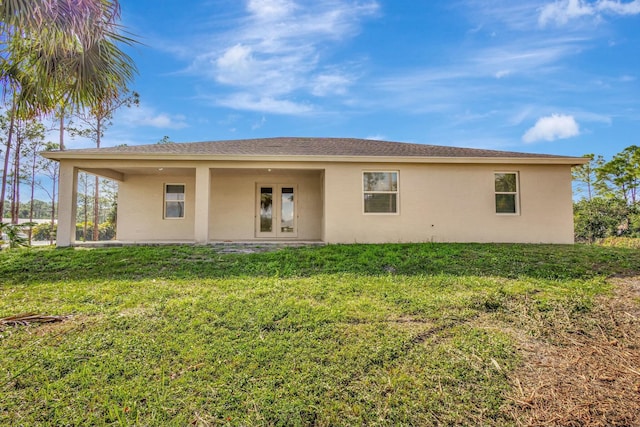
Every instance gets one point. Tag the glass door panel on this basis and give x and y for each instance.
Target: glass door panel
(287, 210)
(266, 209)
(276, 215)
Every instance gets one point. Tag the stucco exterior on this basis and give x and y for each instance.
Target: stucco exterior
(451, 203)
(437, 199)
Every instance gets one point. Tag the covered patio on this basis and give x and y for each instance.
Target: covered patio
(214, 202)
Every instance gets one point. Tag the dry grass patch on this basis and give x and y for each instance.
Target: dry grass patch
(587, 375)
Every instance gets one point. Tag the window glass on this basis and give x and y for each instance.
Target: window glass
(380, 203)
(506, 192)
(380, 192)
(506, 182)
(174, 201)
(380, 181)
(505, 203)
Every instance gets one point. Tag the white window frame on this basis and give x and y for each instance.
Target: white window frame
(396, 192)
(164, 201)
(515, 193)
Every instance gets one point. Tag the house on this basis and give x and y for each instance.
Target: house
(333, 190)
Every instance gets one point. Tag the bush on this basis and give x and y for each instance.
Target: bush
(44, 232)
(106, 230)
(599, 218)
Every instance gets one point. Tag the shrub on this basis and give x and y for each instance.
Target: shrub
(599, 218)
(44, 231)
(106, 230)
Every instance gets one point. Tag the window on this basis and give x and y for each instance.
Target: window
(173, 201)
(506, 187)
(380, 192)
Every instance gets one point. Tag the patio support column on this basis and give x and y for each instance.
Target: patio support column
(67, 204)
(203, 187)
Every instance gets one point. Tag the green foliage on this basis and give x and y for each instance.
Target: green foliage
(585, 175)
(611, 206)
(620, 177)
(15, 234)
(621, 242)
(44, 232)
(183, 335)
(41, 210)
(107, 231)
(62, 52)
(165, 140)
(598, 218)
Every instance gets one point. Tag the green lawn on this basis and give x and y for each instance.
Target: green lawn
(335, 335)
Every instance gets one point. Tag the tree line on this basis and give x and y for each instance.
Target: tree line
(29, 173)
(610, 203)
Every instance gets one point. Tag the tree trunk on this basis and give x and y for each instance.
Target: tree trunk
(96, 197)
(96, 211)
(85, 202)
(33, 192)
(15, 187)
(62, 128)
(53, 205)
(6, 156)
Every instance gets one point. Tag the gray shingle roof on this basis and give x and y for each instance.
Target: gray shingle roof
(291, 146)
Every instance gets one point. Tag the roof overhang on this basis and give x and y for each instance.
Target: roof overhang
(71, 155)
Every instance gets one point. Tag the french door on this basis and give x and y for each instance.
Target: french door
(276, 213)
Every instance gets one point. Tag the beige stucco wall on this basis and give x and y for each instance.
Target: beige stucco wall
(232, 205)
(451, 203)
(437, 202)
(233, 202)
(141, 208)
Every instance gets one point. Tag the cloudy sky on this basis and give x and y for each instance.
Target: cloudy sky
(544, 76)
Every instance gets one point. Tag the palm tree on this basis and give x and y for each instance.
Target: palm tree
(69, 47)
(60, 54)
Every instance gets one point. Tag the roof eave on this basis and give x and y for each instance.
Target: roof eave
(61, 155)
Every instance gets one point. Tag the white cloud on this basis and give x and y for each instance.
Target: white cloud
(501, 15)
(235, 65)
(164, 121)
(270, 9)
(562, 11)
(278, 49)
(148, 116)
(550, 128)
(620, 8)
(265, 104)
(330, 84)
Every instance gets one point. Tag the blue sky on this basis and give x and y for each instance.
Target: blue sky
(541, 76)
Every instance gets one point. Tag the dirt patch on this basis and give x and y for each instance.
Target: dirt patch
(589, 376)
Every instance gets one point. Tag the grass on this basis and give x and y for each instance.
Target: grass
(335, 335)
(620, 242)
